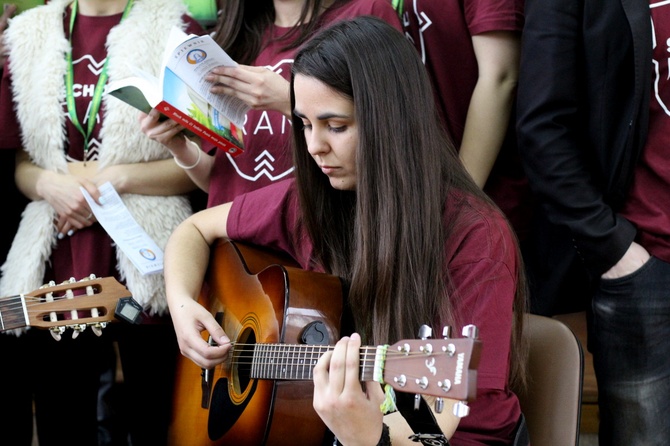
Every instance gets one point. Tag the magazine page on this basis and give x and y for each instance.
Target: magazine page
(192, 60)
(196, 114)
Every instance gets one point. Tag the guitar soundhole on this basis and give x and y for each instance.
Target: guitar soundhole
(224, 412)
(244, 358)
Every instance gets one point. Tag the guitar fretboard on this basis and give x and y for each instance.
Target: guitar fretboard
(13, 313)
(294, 362)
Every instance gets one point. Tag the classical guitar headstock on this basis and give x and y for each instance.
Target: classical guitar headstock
(72, 304)
(445, 368)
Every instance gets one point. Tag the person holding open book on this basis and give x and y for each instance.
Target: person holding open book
(263, 39)
(67, 135)
(364, 127)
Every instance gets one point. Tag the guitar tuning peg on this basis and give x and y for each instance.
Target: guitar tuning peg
(56, 332)
(47, 285)
(425, 332)
(76, 329)
(446, 332)
(404, 349)
(444, 385)
(471, 331)
(426, 349)
(417, 401)
(461, 409)
(97, 328)
(439, 405)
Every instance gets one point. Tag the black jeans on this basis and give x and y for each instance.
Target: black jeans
(629, 337)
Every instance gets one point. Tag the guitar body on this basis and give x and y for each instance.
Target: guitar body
(259, 298)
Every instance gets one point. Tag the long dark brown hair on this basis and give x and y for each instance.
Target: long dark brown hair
(243, 23)
(386, 238)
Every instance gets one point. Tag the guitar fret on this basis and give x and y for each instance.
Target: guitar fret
(290, 362)
(271, 365)
(300, 372)
(285, 369)
(368, 363)
(254, 360)
(281, 355)
(287, 361)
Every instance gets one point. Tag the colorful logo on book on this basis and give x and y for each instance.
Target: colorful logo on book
(194, 57)
(147, 254)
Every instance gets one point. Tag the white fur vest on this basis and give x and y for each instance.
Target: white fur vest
(37, 50)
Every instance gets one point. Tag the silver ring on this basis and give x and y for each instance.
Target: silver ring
(89, 216)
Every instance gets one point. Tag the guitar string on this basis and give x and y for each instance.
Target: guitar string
(287, 366)
(283, 350)
(329, 346)
(32, 300)
(14, 304)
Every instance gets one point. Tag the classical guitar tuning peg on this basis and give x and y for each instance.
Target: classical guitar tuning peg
(76, 329)
(49, 284)
(439, 405)
(97, 328)
(446, 332)
(56, 332)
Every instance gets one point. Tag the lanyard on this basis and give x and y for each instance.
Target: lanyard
(99, 87)
(398, 6)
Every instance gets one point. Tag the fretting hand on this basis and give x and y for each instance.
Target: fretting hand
(259, 87)
(351, 410)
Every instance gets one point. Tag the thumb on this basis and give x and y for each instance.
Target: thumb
(216, 332)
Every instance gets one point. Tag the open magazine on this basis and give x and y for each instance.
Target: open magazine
(182, 93)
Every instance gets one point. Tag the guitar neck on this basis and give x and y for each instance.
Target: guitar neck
(13, 313)
(439, 367)
(296, 362)
(89, 301)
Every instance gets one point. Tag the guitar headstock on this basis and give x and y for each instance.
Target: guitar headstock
(72, 304)
(445, 368)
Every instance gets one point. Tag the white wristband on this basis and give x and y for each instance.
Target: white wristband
(189, 143)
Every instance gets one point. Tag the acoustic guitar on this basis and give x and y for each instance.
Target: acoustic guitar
(70, 305)
(281, 319)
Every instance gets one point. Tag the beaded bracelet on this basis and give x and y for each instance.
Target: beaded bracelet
(189, 142)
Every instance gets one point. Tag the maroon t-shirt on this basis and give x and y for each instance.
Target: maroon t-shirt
(267, 157)
(90, 250)
(648, 204)
(483, 272)
(442, 33)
